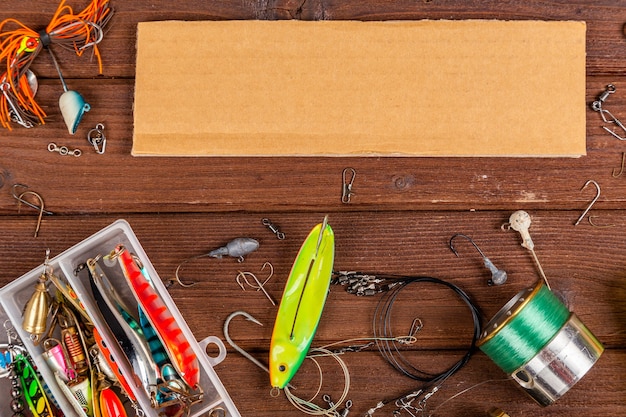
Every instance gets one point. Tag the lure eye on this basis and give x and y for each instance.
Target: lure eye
(28, 44)
(282, 367)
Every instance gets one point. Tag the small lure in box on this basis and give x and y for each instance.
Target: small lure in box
(111, 302)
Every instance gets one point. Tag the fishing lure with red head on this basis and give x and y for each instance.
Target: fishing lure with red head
(302, 304)
(178, 347)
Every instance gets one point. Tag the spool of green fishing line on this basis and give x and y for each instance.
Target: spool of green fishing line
(539, 343)
(523, 327)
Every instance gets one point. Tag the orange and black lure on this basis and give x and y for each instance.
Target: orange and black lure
(20, 45)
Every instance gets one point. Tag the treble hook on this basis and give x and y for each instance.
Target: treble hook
(582, 216)
(248, 317)
(498, 276)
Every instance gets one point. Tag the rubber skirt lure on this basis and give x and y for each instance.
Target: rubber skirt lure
(20, 45)
(179, 349)
(302, 304)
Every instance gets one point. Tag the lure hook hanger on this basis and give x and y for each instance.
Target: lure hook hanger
(582, 216)
(498, 276)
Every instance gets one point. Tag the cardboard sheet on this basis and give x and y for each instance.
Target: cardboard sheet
(347, 88)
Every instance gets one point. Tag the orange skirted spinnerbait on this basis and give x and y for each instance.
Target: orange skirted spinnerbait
(20, 45)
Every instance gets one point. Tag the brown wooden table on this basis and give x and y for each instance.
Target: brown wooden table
(399, 220)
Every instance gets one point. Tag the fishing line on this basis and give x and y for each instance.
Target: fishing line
(309, 407)
(464, 391)
(389, 348)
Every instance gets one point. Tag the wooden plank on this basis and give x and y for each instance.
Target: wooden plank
(584, 264)
(399, 220)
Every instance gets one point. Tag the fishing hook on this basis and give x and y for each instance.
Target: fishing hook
(248, 317)
(498, 276)
(590, 218)
(19, 198)
(621, 168)
(592, 201)
(190, 283)
(259, 285)
(41, 209)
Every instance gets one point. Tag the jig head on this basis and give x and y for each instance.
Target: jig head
(498, 276)
(237, 248)
(302, 304)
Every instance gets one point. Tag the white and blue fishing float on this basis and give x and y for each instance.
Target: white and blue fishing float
(536, 340)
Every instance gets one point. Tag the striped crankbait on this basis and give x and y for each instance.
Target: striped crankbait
(179, 349)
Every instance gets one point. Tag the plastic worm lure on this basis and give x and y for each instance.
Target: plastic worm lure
(180, 351)
(33, 391)
(302, 304)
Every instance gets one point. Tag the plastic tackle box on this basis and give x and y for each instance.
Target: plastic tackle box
(15, 295)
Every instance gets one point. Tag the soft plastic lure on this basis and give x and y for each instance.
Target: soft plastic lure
(302, 304)
(180, 351)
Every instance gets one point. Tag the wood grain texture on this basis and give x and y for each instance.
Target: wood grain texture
(400, 218)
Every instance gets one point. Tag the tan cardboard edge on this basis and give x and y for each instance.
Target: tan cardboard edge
(573, 152)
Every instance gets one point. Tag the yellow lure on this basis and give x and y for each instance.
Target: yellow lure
(302, 304)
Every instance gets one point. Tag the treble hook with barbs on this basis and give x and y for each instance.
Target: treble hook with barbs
(498, 276)
(582, 216)
(597, 106)
(20, 199)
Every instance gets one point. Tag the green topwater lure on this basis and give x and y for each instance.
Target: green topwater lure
(302, 304)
